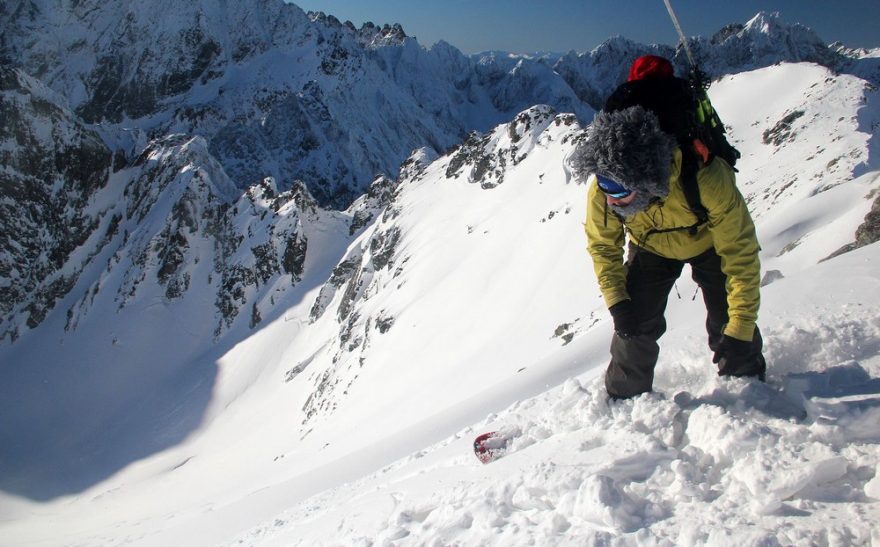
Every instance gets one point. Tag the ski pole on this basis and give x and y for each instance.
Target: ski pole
(699, 80)
(681, 35)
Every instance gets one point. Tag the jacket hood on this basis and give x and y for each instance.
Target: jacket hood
(629, 147)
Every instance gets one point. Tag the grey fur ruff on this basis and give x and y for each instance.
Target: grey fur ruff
(629, 147)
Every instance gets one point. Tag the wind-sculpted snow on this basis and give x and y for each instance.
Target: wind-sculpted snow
(794, 155)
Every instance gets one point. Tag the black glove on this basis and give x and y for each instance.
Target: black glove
(736, 357)
(626, 322)
(731, 349)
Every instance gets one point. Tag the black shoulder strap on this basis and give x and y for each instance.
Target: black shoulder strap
(690, 186)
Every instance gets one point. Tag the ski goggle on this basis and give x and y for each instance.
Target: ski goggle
(612, 188)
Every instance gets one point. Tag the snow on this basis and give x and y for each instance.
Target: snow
(496, 324)
(703, 460)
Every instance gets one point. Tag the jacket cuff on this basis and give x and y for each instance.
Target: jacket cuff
(741, 330)
(614, 297)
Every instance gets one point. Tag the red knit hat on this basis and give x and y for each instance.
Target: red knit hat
(650, 66)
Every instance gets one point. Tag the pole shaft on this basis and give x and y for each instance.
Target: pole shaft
(681, 35)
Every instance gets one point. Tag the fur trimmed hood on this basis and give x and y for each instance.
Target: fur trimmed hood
(629, 147)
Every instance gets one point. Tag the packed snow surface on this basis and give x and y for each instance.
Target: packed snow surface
(470, 305)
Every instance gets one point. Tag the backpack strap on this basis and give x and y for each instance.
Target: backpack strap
(689, 167)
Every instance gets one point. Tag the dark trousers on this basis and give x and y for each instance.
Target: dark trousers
(649, 280)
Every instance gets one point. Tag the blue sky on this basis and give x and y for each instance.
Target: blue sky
(561, 25)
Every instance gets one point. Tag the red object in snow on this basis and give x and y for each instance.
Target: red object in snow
(490, 446)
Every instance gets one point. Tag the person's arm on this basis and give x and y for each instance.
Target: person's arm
(605, 241)
(736, 242)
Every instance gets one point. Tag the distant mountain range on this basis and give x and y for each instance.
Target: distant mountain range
(132, 128)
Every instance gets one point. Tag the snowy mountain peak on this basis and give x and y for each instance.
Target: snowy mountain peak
(417, 162)
(763, 40)
(771, 23)
(370, 35)
(484, 159)
(767, 31)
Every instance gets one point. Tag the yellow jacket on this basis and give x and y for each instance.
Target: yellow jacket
(730, 231)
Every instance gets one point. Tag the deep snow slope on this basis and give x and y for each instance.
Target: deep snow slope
(702, 461)
(470, 303)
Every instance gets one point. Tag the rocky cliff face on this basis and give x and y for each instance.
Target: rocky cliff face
(281, 93)
(125, 60)
(274, 91)
(52, 166)
(181, 232)
(168, 221)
